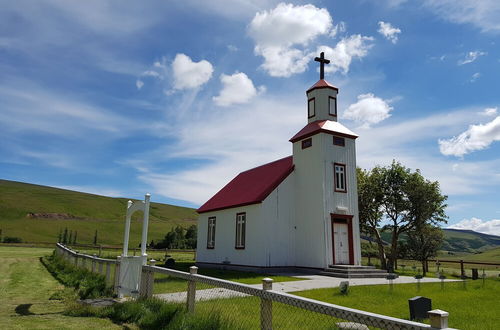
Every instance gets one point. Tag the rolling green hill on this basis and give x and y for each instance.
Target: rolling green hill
(462, 241)
(38, 213)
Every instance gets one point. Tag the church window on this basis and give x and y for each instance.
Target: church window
(241, 219)
(340, 177)
(307, 143)
(339, 141)
(310, 108)
(332, 106)
(211, 233)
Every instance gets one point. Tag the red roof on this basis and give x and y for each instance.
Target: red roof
(322, 83)
(250, 187)
(325, 126)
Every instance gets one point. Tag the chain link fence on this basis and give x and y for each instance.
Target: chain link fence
(242, 306)
(247, 307)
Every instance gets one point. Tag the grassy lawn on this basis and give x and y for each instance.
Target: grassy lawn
(476, 305)
(25, 288)
(412, 267)
(167, 284)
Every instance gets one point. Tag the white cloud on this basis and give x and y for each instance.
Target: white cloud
(368, 110)
(139, 84)
(225, 143)
(482, 14)
(338, 28)
(388, 31)
(347, 49)
(489, 112)
(281, 34)
(237, 89)
(475, 77)
(471, 57)
(477, 137)
(151, 73)
(491, 227)
(189, 74)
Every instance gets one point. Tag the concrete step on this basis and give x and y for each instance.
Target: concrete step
(351, 267)
(355, 271)
(351, 275)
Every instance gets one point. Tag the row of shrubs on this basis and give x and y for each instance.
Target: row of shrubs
(152, 314)
(147, 314)
(87, 285)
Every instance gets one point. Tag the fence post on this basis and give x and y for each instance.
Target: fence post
(84, 262)
(93, 263)
(191, 293)
(117, 273)
(151, 279)
(76, 260)
(462, 270)
(266, 306)
(99, 268)
(108, 273)
(438, 318)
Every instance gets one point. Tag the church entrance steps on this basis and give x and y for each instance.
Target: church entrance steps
(350, 271)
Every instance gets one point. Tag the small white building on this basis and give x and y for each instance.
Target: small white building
(300, 211)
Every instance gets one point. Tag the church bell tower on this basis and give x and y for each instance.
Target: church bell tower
(326, 200)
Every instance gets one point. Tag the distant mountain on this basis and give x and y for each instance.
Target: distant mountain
(37, 213)
(466, 241)
(457, 240)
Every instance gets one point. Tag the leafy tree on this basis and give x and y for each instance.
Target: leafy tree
(74, 237)
(405, 200)
(423, 243)
(70, 239)
(370, 196)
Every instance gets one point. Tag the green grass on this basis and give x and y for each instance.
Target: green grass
(468, 308)
(25, 289)
(154, 314)
(167, 284)
(105, 214)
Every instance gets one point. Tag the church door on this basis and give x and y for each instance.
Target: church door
(341, 243)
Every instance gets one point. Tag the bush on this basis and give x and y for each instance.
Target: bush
(88, 285)
(10, 239)
(152, 313)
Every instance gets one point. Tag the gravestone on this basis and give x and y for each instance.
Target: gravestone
(475, 274)
(419, 306)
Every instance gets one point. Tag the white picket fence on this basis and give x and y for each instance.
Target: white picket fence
(354, 319)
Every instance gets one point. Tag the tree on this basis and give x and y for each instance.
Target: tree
(74, 237)
(70, 239)
(370, 197)
(95, 237)
(423, 243)
(403, 199)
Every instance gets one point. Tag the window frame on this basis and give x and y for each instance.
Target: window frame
(330, 98)
(240, 232)
(306, 143)
(338, 144)
(211, 232)
(335, 180)
(313, 99)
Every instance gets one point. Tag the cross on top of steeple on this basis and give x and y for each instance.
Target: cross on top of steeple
(322, 61)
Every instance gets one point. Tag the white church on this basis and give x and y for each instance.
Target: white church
(298, 212)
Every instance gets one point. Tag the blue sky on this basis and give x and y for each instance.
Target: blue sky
(175, 98)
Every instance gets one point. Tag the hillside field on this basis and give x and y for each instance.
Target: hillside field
(85, 213)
